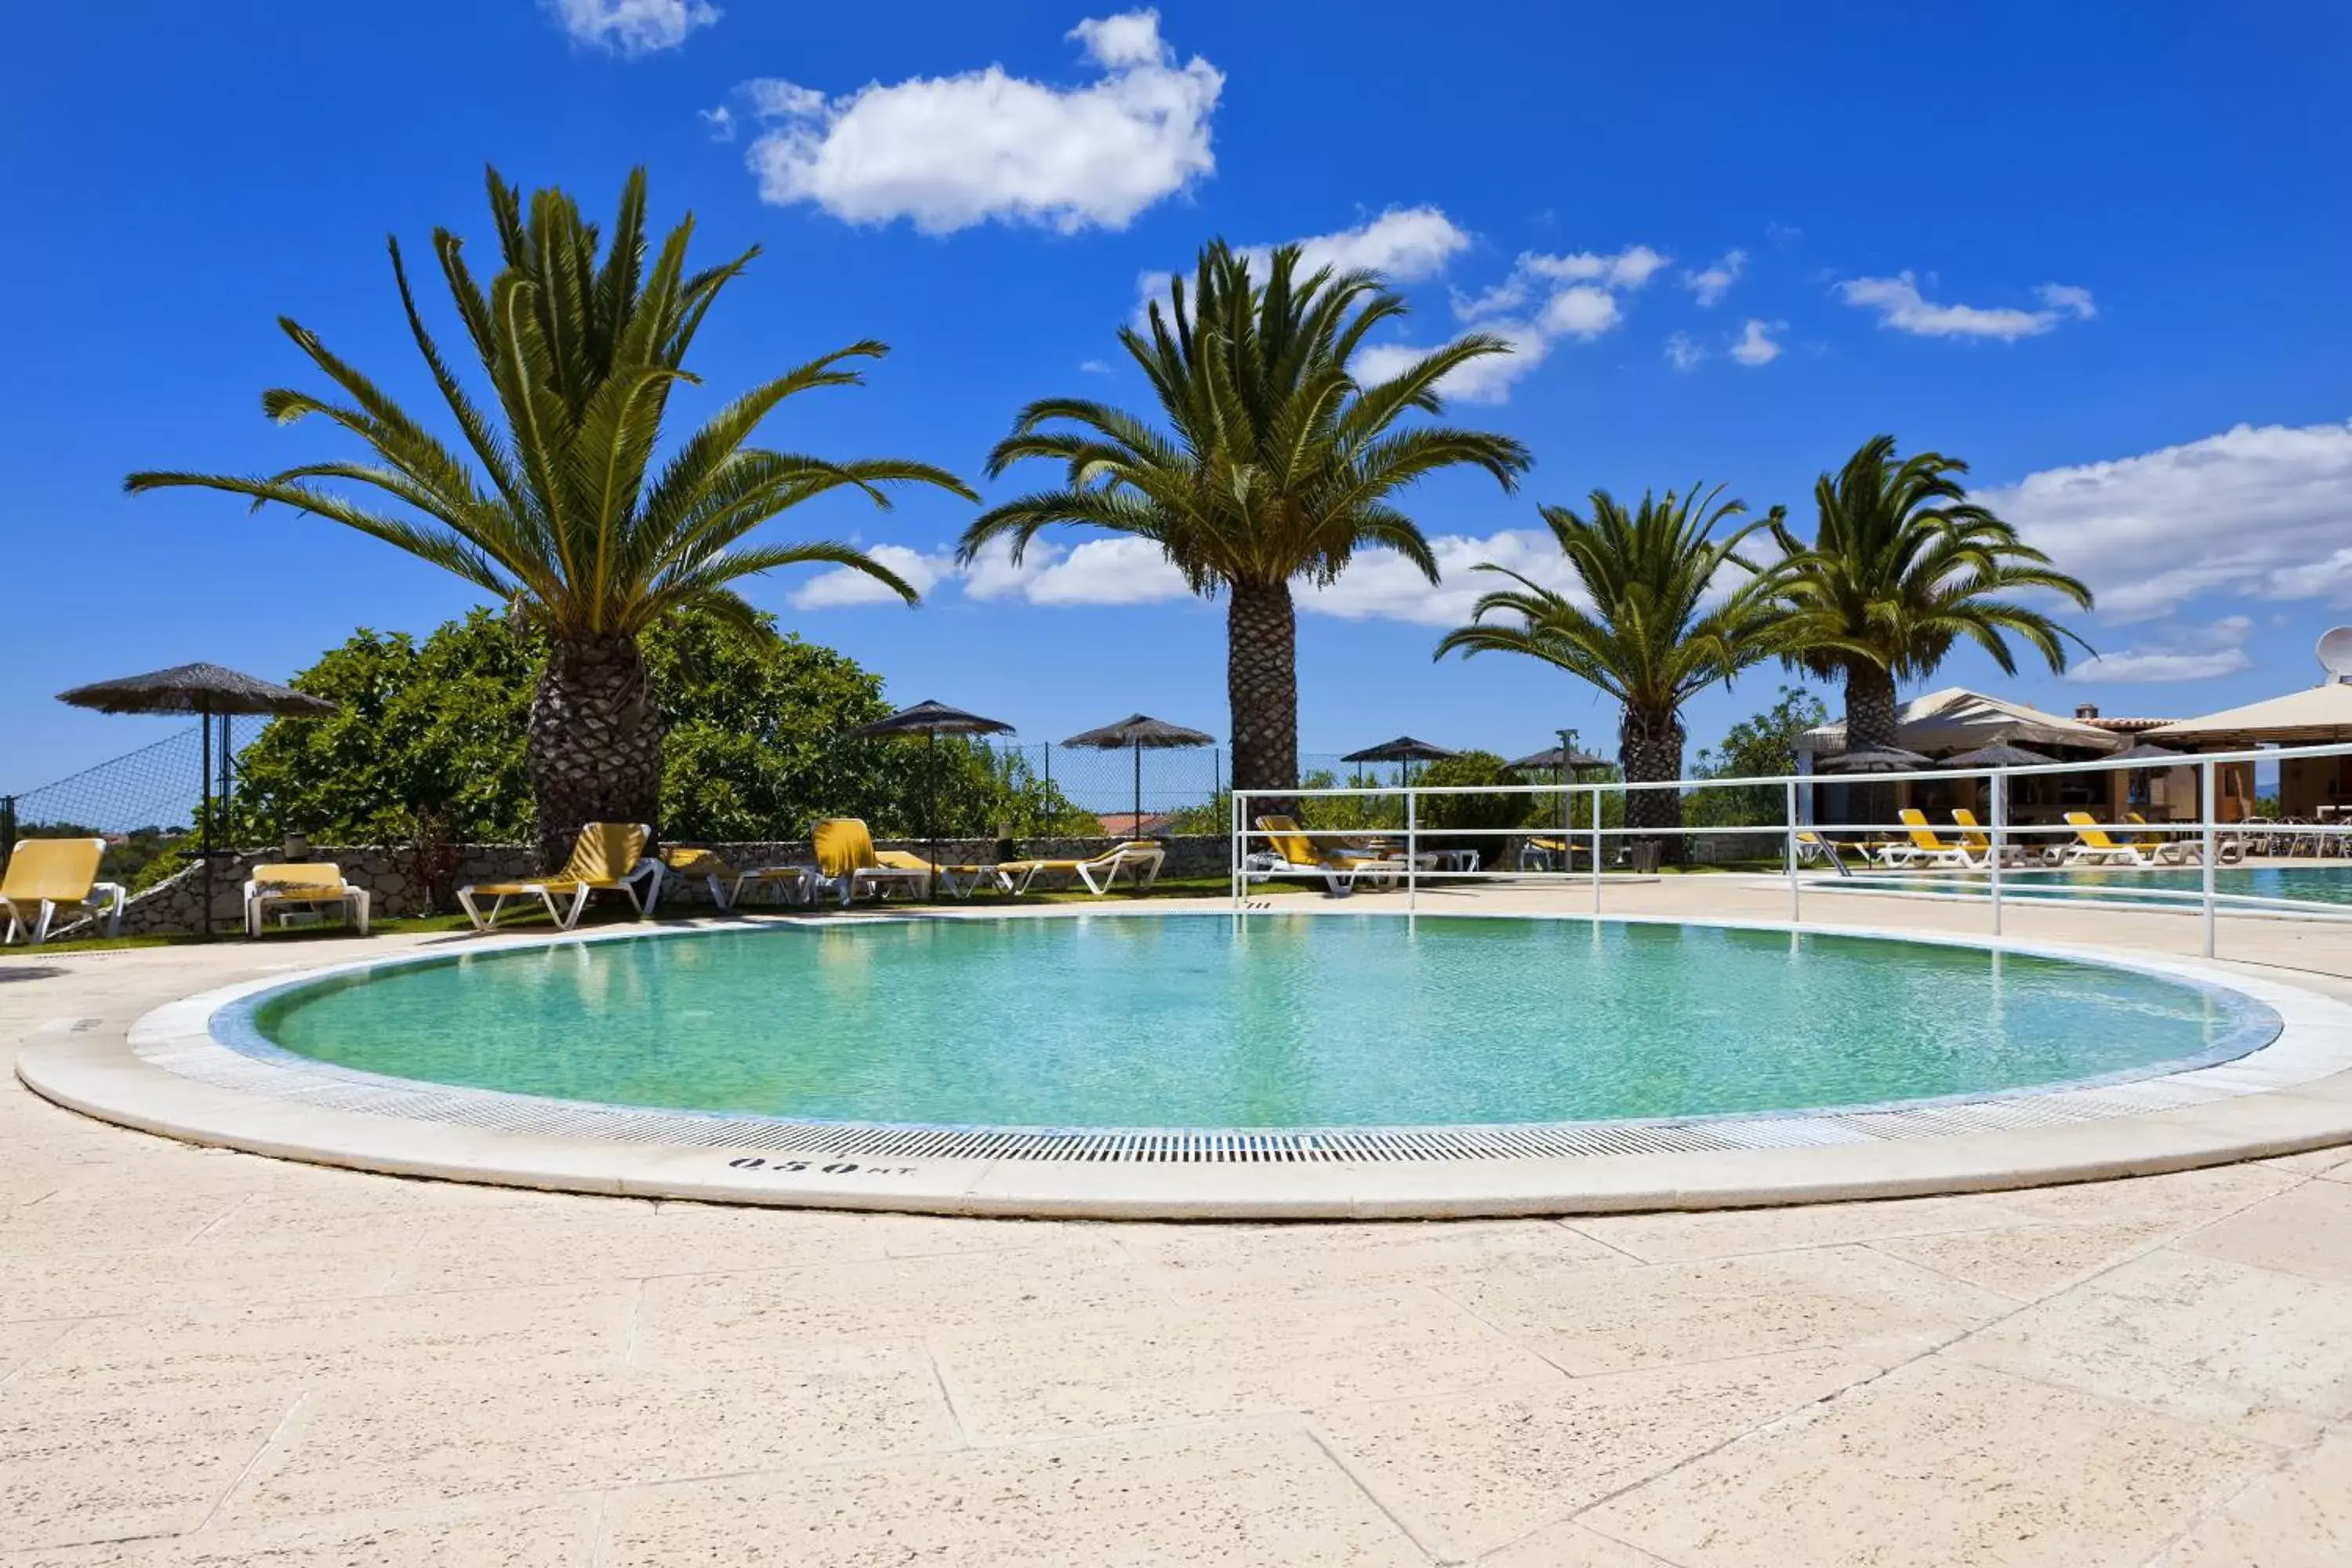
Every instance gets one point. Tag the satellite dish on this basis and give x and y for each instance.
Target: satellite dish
(2334, 653)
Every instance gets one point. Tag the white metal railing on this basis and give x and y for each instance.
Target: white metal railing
(1394, 856)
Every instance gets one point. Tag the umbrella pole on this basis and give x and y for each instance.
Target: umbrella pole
(931, 806)
(1135, 828)
(205, 825)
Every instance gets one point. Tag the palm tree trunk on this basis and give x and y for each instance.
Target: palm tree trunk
(1262, 687)
(1871, 719)
(1650, 750)
(595, 742)
(1870, 706)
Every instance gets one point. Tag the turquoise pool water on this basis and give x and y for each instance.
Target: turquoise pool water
(2185, 885)
(1282, 1021)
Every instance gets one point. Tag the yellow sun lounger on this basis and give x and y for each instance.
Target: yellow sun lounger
(609, 858)
(2229, 848)
(1295, 852)
(1979, 842)
(50, 877)
(2093, 846)
(306, 882)
(1140, 857)
(796, 883)
(847, 863)
(1924, 844)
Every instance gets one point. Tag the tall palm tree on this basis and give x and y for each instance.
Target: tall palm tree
(1901, 568)
(1277, 463)
(1650, 638)
(561, 515)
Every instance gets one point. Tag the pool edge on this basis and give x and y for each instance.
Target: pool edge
(2298, 1098)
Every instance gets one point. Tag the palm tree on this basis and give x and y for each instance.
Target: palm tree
(1902, 567)
(1277, 463)
(1651, 639)
(560, 515)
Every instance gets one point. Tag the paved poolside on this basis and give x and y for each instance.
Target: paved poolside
(211, 1358)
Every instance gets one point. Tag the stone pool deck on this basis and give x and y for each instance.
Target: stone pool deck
(209, 1358)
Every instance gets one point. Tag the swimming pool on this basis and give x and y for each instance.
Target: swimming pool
(1281, 1021)
(2182, 886)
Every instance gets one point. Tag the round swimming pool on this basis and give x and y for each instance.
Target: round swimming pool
(1280, 1021)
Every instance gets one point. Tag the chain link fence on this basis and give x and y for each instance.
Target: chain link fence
(145, 804)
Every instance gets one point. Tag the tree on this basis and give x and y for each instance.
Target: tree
(1902, 566)
(1277, 463)
(1763, 745)
(1650, 640)
(561, 515)
(430, 741)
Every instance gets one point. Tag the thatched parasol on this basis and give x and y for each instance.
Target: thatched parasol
(931, 720)
(1405, 751)
(1552, 759)
(1872, 759)
(208, 690)
(1999, 754)
(1140, 732)
(2148, 752)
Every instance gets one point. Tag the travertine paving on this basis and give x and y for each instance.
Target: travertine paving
(207, 1358)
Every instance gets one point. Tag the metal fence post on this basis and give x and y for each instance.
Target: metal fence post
(2000, 841)
(7, 829)
(1596, 847)
(2206, 797)
(1796, 898)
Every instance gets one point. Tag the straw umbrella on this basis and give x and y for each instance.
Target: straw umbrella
(931, 720)
(1138, 733)
(1405, 751)
(1568, 762)
(1873, 760)
(1999, 754)
(209, 691)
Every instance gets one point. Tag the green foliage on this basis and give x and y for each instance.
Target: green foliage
(1441, 812)
(1761, 746)
(1214, 815)
(1275, 463)
(1347, 812)
(556, 504)
(1651, 640)
(1903, 565)
(430, 730)
(429, 742)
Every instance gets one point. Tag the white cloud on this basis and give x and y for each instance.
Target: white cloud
(2147, 668)
(1628, 269)
(632, 27)
(841, 587)
(1756, 346)
(1682, 351)
(1487, 379)
(2190, 653)
(2067, 300)
(949, 152)
(1380, 585)
(1114, 571)
(1094, 367)
(721, 121)
(1712, 282)
(2258, 512)
(1582, 311)
(1901, 305)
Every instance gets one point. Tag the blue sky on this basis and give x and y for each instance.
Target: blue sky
(2096, 250)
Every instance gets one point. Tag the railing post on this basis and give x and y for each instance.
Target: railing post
(1412, 847)
(2205, 796)
(1596, 846)
(1796, 898)
(2000, 840)
(1234, 849)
